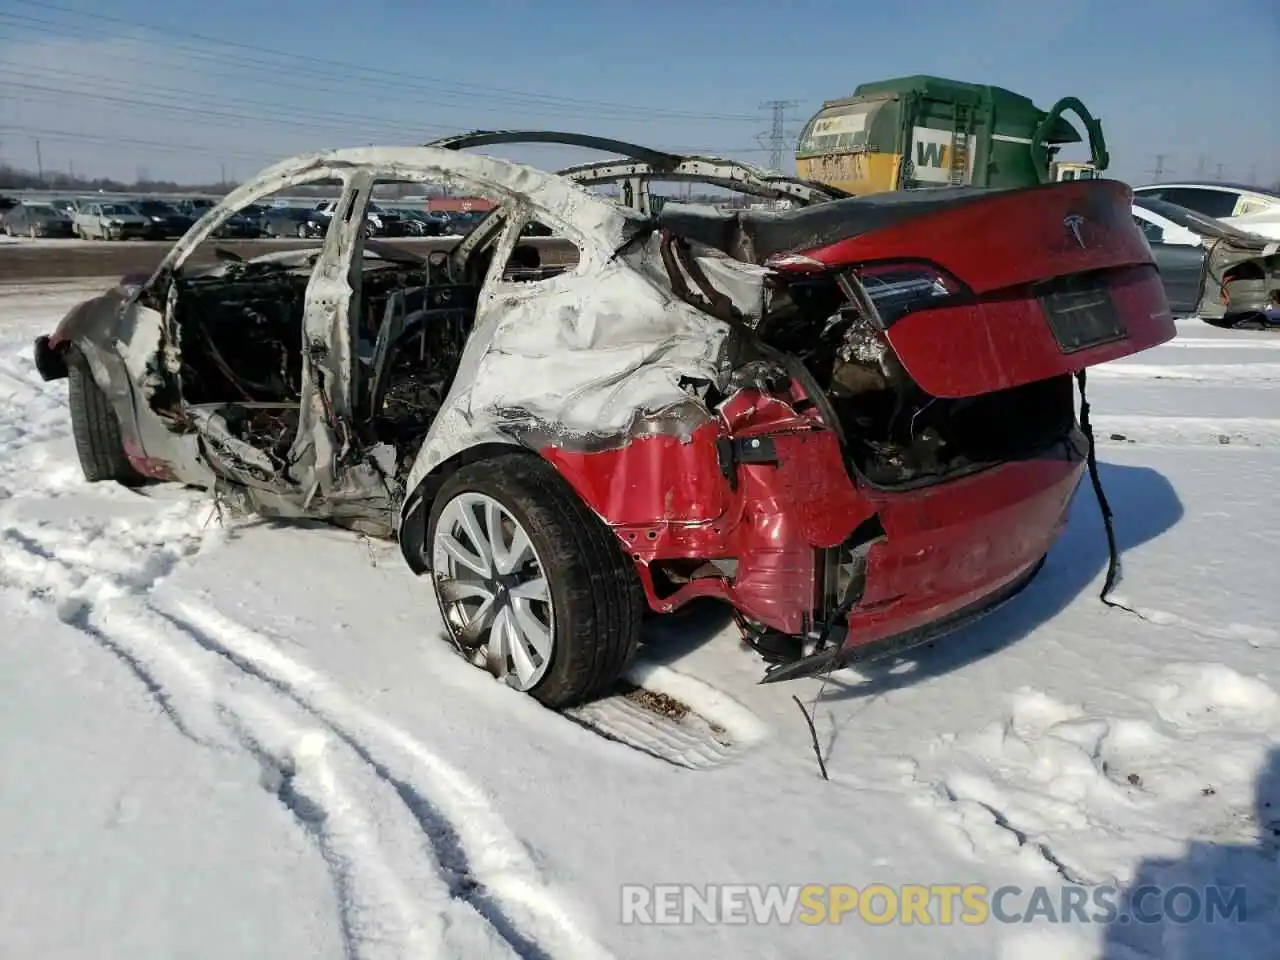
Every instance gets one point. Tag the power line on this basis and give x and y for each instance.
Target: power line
(179, 147)
(386, 130)
(204, 114)
(330, 68)
(281, 69)
(321, 81)
(190, 103)
(317, 80)
(71, 136)
(184, 103)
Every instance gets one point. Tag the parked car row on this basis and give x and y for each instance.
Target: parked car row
(92, 218)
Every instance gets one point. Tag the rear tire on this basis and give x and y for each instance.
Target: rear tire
(595, 608)
(96, 429)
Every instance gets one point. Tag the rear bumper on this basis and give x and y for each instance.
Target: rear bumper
(775, 505)
(951, 554)
(836, 657)
(950, 545)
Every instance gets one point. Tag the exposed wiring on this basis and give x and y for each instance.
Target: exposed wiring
(1091, 458)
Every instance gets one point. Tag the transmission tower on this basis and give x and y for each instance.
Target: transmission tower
(1157, 174)
(777, 137)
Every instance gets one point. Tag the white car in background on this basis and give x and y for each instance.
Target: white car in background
(1252, 209)
(373, 215)
(110, 221)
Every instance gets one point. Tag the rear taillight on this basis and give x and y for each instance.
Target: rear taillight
(900, 288)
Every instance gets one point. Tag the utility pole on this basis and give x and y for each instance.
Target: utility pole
(1200, 165)
(222, 173)
(1159, 170)
(1218, 174)
(1253, 173)
(39, 164)
(776, 138)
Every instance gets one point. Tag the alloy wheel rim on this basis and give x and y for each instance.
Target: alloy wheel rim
(493, 590)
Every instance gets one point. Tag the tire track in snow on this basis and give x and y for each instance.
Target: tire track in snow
(81, 602)
(717, 728)
(400, 896)
(383, 915)
(488, 864)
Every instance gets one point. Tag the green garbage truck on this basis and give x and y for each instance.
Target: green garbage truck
(926, 131)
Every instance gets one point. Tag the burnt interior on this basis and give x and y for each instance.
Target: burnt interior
(895, 432)
(240, 334)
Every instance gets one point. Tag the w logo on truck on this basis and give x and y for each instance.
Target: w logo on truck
(931, 154)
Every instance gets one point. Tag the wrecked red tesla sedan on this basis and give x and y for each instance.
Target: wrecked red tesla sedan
(852, 420)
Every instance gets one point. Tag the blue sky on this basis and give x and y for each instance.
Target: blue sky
(188, 89)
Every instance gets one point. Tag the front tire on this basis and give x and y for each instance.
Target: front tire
(530, 584)
(96, 428)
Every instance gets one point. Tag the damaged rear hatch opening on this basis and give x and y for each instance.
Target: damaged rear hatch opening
(944, 370)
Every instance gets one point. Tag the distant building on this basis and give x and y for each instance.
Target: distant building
(459, 204)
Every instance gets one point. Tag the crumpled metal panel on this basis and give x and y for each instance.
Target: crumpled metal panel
(1258, 288)
(598, 353)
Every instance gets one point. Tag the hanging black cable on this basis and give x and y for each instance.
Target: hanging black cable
(1113, 554)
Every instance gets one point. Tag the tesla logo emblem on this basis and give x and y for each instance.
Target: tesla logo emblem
(1073, 223)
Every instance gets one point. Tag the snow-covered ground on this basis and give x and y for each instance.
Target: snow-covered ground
(249, 740)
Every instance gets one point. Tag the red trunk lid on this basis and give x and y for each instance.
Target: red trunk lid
(1052, 279)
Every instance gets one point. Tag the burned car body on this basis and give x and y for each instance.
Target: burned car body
(852, 421)
(1232, 278)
